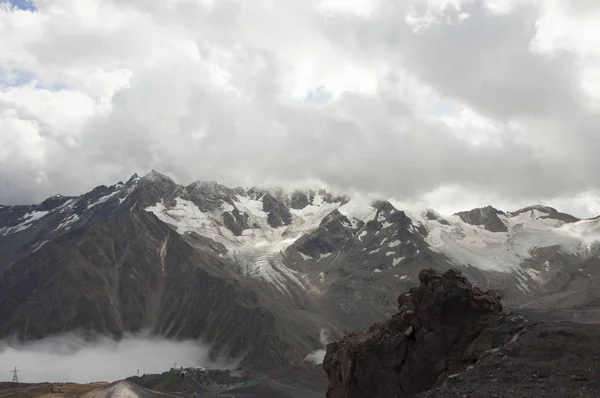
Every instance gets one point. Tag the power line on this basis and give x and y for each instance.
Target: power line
(15, 379)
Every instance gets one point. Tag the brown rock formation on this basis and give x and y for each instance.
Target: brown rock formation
(442, 326)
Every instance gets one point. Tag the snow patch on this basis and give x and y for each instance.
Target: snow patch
(390, 253)
(226, 207)
(322, 277)
(377, 271)
(322, 256)
(362, 234)
(67, 222)
(358, 209)
(185, 216)
(39, 246)
(102, 199)
(27, 221)
(374, 251)
(317, 200)
(397, 261)
(395, 243)
(305, 257)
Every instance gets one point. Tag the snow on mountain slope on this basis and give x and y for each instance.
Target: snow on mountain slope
(241, 220)
(358, 209)
(465, 244)
(588, 231)
(257, 251)
(25, 222)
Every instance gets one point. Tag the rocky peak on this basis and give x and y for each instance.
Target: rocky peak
(207, 187)
(135, 177)
(156, 177)
(210, 194)
(329, 197)
(442, 326)
(331, 235)
(278, 213)
(53, 202)
(433, 215)
(154, 187)
(256, 193)
(384, 206)
(300, 199)
(550, 212)
(484, 216)
(387, 214)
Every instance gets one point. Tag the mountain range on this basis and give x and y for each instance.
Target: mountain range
(266, 276)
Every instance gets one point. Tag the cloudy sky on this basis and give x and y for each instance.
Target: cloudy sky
(445, 103)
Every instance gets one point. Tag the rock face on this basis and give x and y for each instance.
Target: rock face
(442, 326)
(331, 235)
(279, 214)
(486, 217)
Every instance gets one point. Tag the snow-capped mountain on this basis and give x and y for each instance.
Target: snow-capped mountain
(259, 273)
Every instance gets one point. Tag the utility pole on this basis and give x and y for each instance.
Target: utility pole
(15, 379)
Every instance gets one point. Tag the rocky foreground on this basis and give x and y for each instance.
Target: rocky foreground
(450, 339)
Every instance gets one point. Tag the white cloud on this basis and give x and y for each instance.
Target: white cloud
(316, 357)
(498, 98)
(71, 358)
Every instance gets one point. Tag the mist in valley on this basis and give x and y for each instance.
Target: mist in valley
(72, 358)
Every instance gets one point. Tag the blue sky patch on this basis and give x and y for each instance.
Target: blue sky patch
(15, 78)
(318, 96)
(21, 4)
(21, 77)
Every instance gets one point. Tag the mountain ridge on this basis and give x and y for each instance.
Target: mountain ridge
(201, 260)
(279, 190)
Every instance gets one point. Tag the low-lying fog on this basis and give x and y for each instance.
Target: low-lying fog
(69, 357)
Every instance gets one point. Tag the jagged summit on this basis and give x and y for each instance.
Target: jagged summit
(155, 176)
(133, 178)
(487, 217)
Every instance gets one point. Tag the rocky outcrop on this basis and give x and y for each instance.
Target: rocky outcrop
(332, 234)
(300, 199)
(432, 215)
(209, 196)
(550, 212)
(443, 326)
(486, 217)
(278, 214)
(236, 221)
